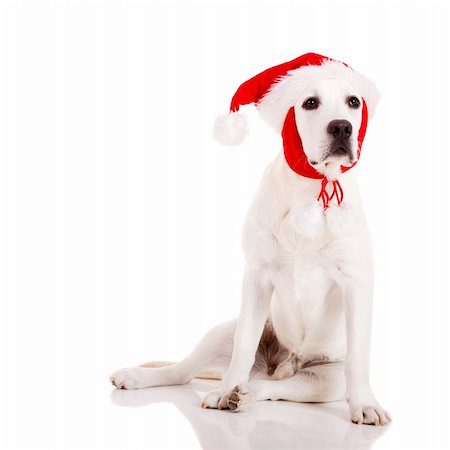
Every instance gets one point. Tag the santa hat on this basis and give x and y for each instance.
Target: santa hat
(276, 90)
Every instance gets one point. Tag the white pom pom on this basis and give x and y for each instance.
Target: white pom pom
(230, 129)
(343, 220)
(309, 221)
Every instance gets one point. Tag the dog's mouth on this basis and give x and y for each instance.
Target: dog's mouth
(338, 152)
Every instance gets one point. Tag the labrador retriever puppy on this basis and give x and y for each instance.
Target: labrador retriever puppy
(303, 331)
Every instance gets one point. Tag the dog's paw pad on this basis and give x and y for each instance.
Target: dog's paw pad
(241, 398)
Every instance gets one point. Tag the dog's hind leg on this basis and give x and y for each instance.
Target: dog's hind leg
(320, 383)
(210, 359)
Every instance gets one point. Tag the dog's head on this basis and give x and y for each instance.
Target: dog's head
(328, 102)
(328, 117)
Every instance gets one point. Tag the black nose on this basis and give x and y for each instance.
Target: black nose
(340, 129)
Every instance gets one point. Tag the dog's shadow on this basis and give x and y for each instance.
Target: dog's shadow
(267, 425)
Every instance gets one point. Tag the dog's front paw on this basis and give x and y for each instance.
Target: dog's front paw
(241, 398)
(369, 413)
(215, 400)
(130, 378)
(218, 399)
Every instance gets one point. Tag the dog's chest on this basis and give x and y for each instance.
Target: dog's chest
(309, 237)
(307, 307)
(304, 264)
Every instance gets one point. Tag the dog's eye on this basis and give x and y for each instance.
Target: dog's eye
(311, 103)
(354, 102)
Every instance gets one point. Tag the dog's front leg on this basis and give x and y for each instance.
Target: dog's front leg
(256, 294)
(364, 408)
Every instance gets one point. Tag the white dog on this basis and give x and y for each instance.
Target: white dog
(303, 332)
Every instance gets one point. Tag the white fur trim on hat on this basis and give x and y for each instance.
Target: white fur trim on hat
(285, 93)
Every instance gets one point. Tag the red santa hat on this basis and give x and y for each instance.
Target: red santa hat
(275, 91)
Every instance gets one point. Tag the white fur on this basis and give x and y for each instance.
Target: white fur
(343, 220)
(307, 269)
(286, 92)
(230, 129)
(308, 222)
(310, 124)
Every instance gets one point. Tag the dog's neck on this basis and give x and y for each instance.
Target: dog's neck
(294, 189)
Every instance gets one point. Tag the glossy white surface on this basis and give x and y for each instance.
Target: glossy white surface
(269, 425)
(85, 412)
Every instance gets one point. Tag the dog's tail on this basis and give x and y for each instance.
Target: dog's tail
(202, 375)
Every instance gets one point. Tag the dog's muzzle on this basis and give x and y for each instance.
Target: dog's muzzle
(340, 132)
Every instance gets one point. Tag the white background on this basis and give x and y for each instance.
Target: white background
(120, 217)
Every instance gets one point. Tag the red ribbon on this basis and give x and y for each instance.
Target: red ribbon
(325, 197)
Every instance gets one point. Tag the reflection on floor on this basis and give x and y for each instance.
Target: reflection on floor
(268, 425)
